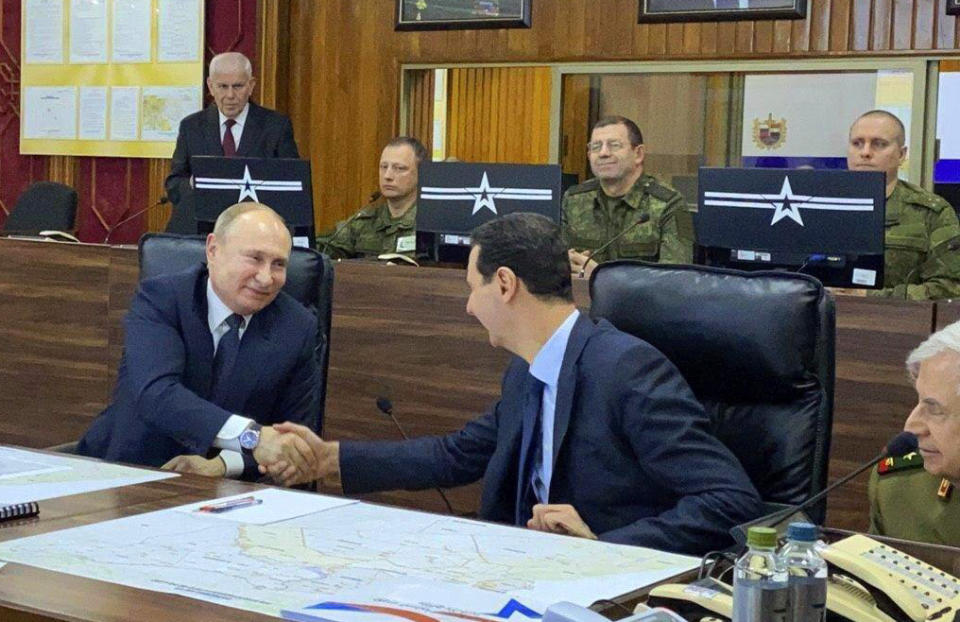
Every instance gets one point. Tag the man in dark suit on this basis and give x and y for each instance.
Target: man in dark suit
(231, 126)
(596, 434)
(210, 355)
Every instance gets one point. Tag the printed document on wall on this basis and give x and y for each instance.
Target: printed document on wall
(88, 31)
(131, 31)
(50, 112)
(43, 31)
(178, 31)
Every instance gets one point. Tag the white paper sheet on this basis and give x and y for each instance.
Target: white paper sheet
(124, 112)
(178, 31)
(50, 112)
(44, 31)
(93, 113)
(271, 505)
(88, 31)
(131, 31)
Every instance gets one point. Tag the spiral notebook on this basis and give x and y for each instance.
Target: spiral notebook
(19, 510)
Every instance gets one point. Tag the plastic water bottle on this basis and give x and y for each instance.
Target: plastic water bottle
(806, 574)
(760, 588)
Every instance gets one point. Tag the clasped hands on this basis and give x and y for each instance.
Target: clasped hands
(288, 452)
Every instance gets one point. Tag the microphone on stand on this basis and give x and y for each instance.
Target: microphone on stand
(161, 201)
(900, 445)
(643, 218)
(385, 406)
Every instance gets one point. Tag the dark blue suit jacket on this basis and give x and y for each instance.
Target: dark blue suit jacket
(266, 134)
(632, 450)
(161, 404)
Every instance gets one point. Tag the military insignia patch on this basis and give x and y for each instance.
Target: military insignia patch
(945, 489)
(769, 133)
(899, 463)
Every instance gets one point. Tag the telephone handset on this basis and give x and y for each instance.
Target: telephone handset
(869, 582)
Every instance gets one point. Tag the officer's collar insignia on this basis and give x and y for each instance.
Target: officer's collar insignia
(946, 487)
(898, 463)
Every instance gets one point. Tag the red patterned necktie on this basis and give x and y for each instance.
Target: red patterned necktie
(229, 145)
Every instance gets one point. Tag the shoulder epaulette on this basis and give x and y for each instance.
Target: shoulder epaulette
(919, 196)
(587, 186)
(661, 191)
(899, 463)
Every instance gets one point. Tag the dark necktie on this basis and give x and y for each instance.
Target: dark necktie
(531, 453)
(229, 145)
(226, 357)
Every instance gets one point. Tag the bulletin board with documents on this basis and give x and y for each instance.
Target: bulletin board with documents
(108, 77)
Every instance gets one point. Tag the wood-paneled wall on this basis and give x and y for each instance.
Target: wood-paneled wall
(345, 59)
(499, 114)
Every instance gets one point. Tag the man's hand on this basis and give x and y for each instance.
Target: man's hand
(197, 465)
(324, 456)
(559, 518)
(292, 451)
(581, 262)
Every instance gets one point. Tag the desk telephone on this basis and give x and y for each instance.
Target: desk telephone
(868, 582)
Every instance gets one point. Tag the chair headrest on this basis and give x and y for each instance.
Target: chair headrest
(167, 253)
(763, 324)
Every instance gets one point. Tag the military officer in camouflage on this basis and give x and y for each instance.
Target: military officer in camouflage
(922, 234)
(617, 198)
(387, 224)
(914, 497)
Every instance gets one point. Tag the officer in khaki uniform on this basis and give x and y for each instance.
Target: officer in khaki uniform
(387, 225)
(922, 239)
(617, 198)
(915, 497)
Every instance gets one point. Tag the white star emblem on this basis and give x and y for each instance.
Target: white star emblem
(247, 188)
(483, 196)
(785, 204)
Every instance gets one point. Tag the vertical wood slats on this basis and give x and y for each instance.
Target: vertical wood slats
(499, 114)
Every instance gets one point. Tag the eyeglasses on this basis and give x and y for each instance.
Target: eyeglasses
(597, 145)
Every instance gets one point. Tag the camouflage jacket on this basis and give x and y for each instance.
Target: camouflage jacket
(918, 261)
(904, 503)
(371, 232)
(666, 237)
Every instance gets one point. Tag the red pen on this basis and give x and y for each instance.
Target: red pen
(232, 504)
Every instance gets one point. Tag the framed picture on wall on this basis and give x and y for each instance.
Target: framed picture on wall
(716, 10)
(462, 14)
(953, 7)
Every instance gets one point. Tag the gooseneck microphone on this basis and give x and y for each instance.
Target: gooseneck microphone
(900, 445)
(161, 201)
(643, 218)
(385, 406)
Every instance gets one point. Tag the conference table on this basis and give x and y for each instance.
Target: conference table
(399, 333)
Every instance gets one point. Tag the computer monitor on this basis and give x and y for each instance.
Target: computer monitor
(456, 197)
(282, 183)
(829, 224)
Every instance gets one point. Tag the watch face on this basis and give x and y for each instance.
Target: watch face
(249, 439)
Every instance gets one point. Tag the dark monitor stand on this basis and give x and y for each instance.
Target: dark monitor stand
(828, 224)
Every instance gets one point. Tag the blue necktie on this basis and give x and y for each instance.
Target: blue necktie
(226, 357)
(531, 453)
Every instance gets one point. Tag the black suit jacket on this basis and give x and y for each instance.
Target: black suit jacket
(266, 134)
(633, 452)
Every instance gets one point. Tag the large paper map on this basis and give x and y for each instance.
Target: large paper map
(354, 562)
(33, 476)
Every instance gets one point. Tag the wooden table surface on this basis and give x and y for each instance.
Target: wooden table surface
(398, 332)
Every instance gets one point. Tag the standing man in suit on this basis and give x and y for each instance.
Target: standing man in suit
(210, 355)
(595, 435)
(231, 126)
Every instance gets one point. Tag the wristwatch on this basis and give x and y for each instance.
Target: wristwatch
(250, 438)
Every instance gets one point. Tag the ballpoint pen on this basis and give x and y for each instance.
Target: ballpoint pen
(232, 504)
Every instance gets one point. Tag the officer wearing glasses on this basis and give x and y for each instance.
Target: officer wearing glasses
(622, 198)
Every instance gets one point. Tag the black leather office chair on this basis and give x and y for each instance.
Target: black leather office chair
(757, 348)
(45, 205)
(309, 280)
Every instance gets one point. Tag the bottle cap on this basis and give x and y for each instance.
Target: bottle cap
(804, 532)
(765, 537)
